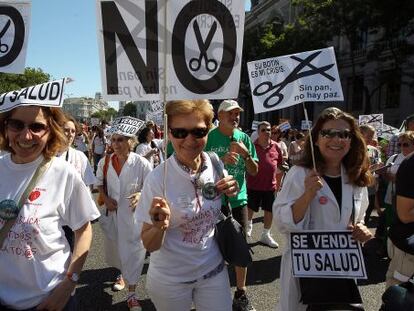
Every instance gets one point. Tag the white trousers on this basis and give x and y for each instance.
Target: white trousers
(212, 294)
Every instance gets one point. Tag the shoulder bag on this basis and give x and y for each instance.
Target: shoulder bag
(229, 233)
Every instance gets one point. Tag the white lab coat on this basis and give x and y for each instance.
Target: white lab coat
(318, 217)
(126, 251)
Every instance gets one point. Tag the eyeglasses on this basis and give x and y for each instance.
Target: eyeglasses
(181, 133)
(265, 130)
(72, 131)
(331, 133)
(36, 128)
(118, 140)
(405, 145)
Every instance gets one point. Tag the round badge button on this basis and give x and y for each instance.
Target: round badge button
(323, 200)
(8, 209)
(209, 191)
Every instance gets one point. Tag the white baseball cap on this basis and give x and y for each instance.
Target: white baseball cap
(229, 104)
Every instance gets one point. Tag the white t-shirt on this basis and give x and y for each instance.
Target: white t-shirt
(80, 143)
(99, 144)
(392, 170)
(81, 163)
(189, 250)
(36, 254)
(142, 149)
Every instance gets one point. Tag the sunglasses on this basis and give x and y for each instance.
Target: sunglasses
(265, 130)
(36, 128)
(118, 140)
(181, 133)
(331, 133)
(406, 145)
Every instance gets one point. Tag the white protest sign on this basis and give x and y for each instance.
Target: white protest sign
(48, 94)
(375, 120)
(125, 126)
(326, 254)
(151, 50)
(157, 117)
(14, 35)
(285, 81)
(284, 126)
(306, 125)
(156, 105)
(94, 121)
(255, 124)
(387, 131)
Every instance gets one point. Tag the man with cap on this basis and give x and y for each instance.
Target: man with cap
(238, 154)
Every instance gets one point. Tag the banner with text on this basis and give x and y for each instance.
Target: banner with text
(152, 50)
(326, 254)
(14, 35)
(306, 125)
(387, 131)
(285, 81)
(375, 120)
(125, 126)
(49, 94)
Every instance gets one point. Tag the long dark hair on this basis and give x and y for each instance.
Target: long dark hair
(356, 161)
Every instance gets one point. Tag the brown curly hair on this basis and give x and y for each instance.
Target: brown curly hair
(57, 139)
(356, 161)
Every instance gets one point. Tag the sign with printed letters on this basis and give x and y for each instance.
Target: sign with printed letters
(255, 124)
(375, 120)
(14, 35)
(306, 125)
(48, 94)
(285, 126)
(387, 131)
(125, 126)
(285, 81)
(326, 254)
(152, 50)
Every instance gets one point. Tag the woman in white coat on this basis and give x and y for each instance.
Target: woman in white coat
(123, 247)
(323, 199)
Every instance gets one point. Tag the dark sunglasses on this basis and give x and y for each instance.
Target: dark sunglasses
(181, 133)
(406, 145)
(331, 133)
(35, 128)
(265, 130)
(118, 140)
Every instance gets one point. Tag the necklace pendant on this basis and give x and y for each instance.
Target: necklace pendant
(8, 209)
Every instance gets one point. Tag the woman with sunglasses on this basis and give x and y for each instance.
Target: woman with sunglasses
(147, 147)
(38, 194)
(125, 174)
(186, 265)
(332, 197)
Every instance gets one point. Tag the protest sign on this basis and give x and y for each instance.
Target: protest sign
(14, 35)
(375, 120)
(284, 126)
(326, 254)
(94, 121)
(156, 105)
(151, 50)
(285, 81)
(255, 124)
(306, 125)
(387, 131)
(156, 116)
(125, 126)
(48, 94)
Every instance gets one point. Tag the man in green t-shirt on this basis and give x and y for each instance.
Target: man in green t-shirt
(238, 154)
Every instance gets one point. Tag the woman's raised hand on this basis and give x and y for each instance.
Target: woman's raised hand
(228, 186)
(313, 183)
(160, 213)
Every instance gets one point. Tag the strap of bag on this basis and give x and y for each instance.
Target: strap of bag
(105, 172)
(41, 169)
(219, 169)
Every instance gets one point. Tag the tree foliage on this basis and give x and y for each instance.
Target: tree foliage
(130, 110)
(106, 115)
(31, 76)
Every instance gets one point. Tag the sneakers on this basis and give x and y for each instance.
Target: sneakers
(269, 241)
(249, 229)
(242, 304)
(119, 284)
(133, 303)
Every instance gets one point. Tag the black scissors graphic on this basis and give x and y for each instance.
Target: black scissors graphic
(267, 86)
(3, 46)
(195, 63)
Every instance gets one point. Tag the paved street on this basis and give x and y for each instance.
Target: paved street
(94, 290)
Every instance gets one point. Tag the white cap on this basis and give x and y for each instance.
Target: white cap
(229, 104)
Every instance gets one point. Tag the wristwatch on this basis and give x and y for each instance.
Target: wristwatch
(73, 276)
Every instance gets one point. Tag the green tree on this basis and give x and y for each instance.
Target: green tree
(106, 115)
(130, 110)
(31, 76)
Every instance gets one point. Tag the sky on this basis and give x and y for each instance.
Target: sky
(63, 42)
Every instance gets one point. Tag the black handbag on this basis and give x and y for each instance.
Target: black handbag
(229, 233)
(399, 297)
(330, 293)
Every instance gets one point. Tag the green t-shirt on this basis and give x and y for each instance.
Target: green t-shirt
(220, 144)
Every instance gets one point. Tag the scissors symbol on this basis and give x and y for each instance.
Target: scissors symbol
(267, 86)
(195, 63)
(4, 47)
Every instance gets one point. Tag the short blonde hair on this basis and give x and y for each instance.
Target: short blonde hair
(201, 107)
(409, 135)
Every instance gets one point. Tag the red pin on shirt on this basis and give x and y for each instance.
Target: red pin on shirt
(323, 200)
